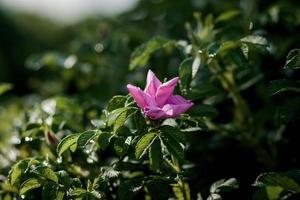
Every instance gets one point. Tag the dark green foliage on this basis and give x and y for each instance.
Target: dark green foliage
(69, 129)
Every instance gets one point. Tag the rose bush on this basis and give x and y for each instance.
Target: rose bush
(227, 131)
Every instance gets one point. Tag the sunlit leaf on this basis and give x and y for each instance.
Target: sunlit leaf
(143, 144)
(66, 143)
(30, 184)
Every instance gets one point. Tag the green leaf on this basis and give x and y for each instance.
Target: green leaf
(104, 139)
(128, 189)
(17, 171)
(141, 54)
(174, 147)
(293, 60)
(155, 154)
(64, 177)
(277, 179)
(203, 110)
(224, 185)
(66, 143)
(283, 85)
(116, 102)
(121, 118)
(255, 39)
(269, 193)
(227, 15)
(85, 137)
(143, 144)
(185, 74)
(174, 133)
(50, 191)
(30, 184)
(47, 173)
(122, 144)
(78, 192)
(202, 90)
(4, 87)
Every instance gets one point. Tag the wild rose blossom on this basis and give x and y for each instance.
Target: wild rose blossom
(157, 100)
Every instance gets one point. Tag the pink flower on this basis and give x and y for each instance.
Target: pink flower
(157, 100)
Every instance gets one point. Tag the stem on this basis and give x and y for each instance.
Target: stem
(242, 116)
(184, 186)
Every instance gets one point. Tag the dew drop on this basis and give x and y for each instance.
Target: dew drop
(28, 139)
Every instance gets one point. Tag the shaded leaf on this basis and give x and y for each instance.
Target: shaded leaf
(155, 154)
(104, 139)
(185, 74)
(203, 110)
(277, 179)
(129, 188)
(283, 85)
(293, 59)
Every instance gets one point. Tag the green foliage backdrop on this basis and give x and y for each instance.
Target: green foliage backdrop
(69, 129)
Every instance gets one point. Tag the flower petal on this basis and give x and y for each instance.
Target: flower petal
(173, 111)
(152, 84)
(141, 98)
(164, 91)
(155, 113)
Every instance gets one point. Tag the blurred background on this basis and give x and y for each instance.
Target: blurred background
(81, 49)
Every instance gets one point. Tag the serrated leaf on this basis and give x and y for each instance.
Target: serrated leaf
(283, 85)
(30, 184)
(293, 59)
(174, 147)
(277, 179)
(66, 143)
(141, 54)
(85, 137)
(17, 171)
(174, 133)
(155, 154)
(47, 173)
(203, 110)
(116, 102)
(255, 39)
(143, 144)
(224, 185)
(121, 119)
